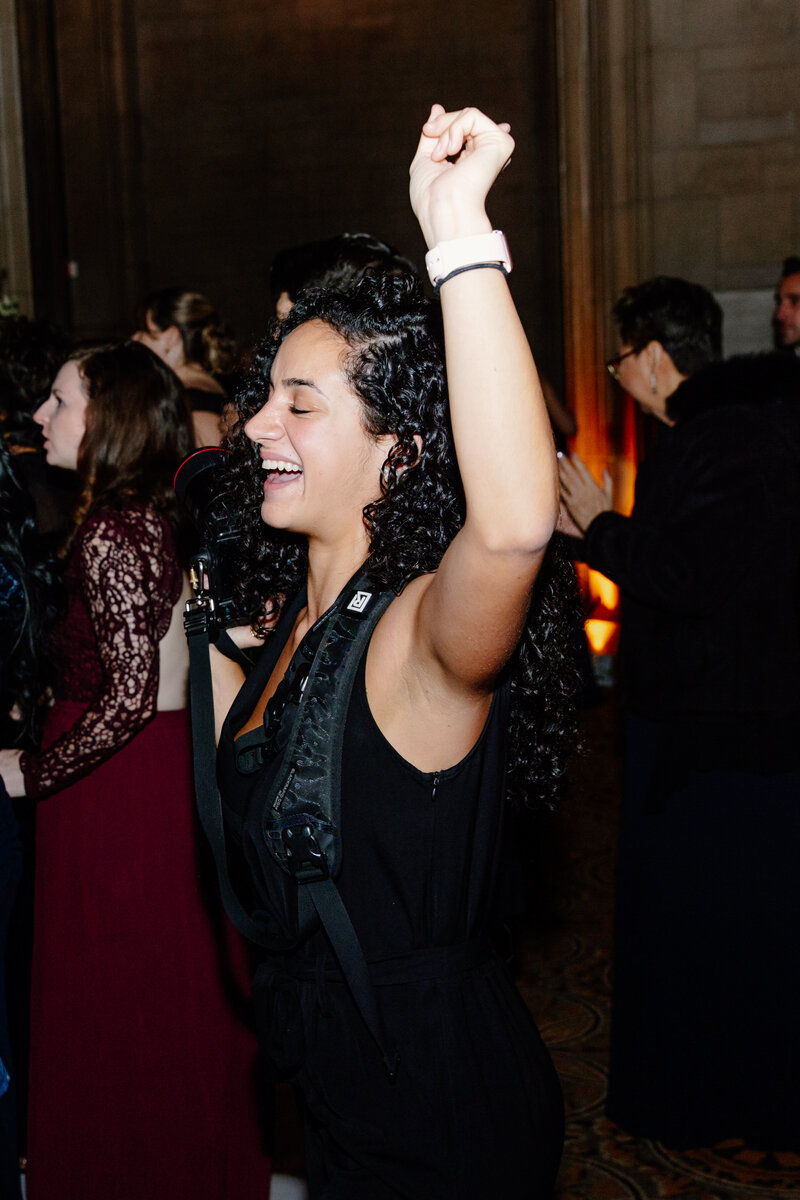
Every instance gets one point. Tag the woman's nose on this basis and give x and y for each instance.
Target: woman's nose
(264, 425)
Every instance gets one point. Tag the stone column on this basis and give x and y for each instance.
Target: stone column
(604, 129)
(14, 240)
(605, 169)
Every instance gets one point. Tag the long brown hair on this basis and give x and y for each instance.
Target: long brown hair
(207, 340)
(138, 430)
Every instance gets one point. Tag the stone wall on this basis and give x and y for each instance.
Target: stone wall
(725, 128)
(680, 155)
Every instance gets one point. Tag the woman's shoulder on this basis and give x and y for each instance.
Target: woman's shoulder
(134, 526)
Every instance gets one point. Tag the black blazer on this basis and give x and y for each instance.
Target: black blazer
(708, 565)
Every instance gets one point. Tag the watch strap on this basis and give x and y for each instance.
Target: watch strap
(446, 257)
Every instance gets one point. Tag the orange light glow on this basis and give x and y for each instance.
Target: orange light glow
(603, 636)
(606, 439)
(603, 593)
(626, 464)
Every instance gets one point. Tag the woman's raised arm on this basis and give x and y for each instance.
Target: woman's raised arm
(472, 612)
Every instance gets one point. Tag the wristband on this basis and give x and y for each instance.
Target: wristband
(447, 257)
(472, 267)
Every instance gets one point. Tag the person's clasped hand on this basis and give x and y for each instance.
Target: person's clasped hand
(582, 498)
(10, 772)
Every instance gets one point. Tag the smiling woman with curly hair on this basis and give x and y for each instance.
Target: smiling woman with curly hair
(375, 435)
(394, 363)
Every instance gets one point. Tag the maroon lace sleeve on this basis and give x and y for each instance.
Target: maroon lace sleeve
(130, 582)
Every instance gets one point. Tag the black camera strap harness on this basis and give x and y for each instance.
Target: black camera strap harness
(301, 814)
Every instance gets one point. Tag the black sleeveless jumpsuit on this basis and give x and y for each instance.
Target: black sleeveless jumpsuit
(476, 1108)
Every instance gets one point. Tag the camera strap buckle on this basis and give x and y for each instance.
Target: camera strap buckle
(302, 854)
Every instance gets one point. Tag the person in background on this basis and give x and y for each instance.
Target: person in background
(562, 418)
(30, 354)
(24, 611)
(705, 1043)
(139, 1082)
(184, 329)
(331, 264)
(786, 319)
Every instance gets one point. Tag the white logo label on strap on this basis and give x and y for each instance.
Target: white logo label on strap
(359, 602)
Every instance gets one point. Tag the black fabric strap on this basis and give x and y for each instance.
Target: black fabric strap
(322, 894)
(325, 897)
(478, 266)
(304, 799)
(209, 801)
(227, 646)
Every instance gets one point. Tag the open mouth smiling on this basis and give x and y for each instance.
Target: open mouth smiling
(280, 471)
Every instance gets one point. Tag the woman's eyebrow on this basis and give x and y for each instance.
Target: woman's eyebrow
(294, 382)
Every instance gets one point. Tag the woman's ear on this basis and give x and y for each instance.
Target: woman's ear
(654, 352)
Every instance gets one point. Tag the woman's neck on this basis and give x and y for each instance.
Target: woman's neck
(329, 569)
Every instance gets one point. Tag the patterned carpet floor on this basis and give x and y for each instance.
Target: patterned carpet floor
(565, 960)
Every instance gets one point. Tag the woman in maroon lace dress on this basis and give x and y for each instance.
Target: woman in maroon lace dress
(139, 1066)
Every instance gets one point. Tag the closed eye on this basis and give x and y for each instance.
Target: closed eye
(300, 411)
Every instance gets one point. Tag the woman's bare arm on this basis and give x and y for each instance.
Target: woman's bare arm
(470, 614)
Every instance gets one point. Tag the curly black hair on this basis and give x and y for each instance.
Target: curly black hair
(394, 362)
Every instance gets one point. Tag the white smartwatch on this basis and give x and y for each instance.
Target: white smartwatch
(446, 257)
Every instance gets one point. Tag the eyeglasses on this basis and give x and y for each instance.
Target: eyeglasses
(612, 366)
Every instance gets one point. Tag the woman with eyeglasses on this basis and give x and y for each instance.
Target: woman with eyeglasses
(705, 1042)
